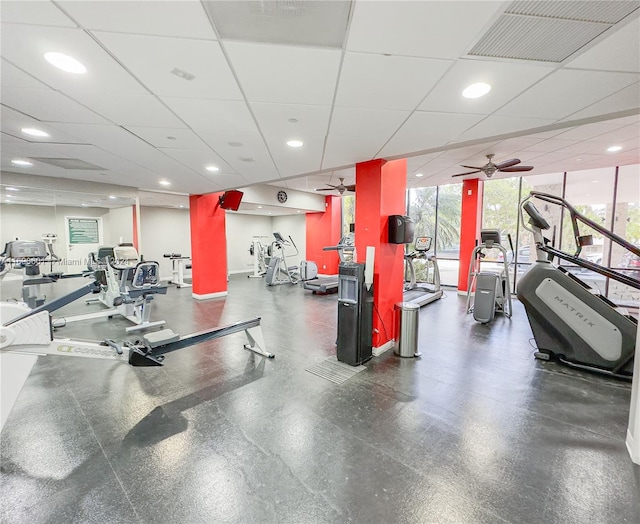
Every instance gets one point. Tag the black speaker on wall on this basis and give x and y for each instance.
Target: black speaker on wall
(401, 229)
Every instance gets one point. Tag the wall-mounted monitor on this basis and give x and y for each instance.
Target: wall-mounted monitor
(231, 200)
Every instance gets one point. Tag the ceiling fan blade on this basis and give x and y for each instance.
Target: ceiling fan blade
(472, 167)
(515, 169)
(352, 187)
(507, 163)
(326, 189)
(468, 173)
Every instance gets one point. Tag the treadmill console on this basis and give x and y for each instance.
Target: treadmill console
(423, 244)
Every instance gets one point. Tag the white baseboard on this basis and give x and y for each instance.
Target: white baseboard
(209, 295)
(377, 351)
(239, 271)
(634, 451)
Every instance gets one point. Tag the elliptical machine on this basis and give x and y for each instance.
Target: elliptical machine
(278, 271)
(420, 292)
(570, 322)
(492, 288)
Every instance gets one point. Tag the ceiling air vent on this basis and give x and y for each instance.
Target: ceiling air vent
(293, 22)
(69, 163)
(549, 31)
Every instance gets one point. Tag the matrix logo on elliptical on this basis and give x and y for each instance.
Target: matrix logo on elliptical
(573, 310)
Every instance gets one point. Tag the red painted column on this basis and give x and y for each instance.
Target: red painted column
(135, 228)
(470, 224)
(325, 229)
(381, 191)
(208, 246)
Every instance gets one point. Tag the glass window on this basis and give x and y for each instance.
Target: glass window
(348, 213)
(626, 223)
(447, 246)
(591, 193)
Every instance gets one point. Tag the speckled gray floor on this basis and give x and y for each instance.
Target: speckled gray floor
(474, 431)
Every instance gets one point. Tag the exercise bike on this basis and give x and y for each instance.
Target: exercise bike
(279, 271)
(492, 288)
(126, 287)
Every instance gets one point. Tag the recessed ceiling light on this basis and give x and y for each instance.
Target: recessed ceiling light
(295, 143)
(171, 138)
(84, 205)
(18, 162)
(298, 211)
(212, 168)
(34, 132)
(259, 207)
(164, 182)
(65, 62)
(269, 213)
(419, 174)
(476, 90)
(613, 149)
(12, 189)
(181, 205)
(9, 196)
(112, 197)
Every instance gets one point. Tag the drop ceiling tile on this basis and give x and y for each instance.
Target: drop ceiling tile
(250, 158)
(501, 125)
(159, 137)
(387, 82)
(625, 99)
(151, 59)
(48, 105)
(620, 51)
(131, 110)
(274, 119)
(214, 115)
(25, 46)
(550, 145)
(428, 130)
(12, 122)
(426, 29)
(166, 18)
(284, 74)
(198, 159)
(121, 142)
(564, 94)
(588, 131)
(296, 161)
(345, 151)
(376, 126)
(507, 80)
(11, 76)
(36, 13)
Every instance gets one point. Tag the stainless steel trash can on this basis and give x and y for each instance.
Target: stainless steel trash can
(407, 317)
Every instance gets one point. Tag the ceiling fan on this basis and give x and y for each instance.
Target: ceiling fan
(340, 188)
(508, 166)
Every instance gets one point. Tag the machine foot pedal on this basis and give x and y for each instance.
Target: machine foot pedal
(138, 357)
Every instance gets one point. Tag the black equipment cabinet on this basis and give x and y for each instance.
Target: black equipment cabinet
(355, 315)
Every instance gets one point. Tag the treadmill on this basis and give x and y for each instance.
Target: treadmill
(421, 293)
(329, 284)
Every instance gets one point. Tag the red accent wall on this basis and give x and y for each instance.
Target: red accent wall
(324, 229)
(208, 244)
(470, 224)
(135, 228)
(380, 192)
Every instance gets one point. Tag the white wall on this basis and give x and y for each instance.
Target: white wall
(240, 232)
(164, 230)
(120, 226)
(296, 226)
